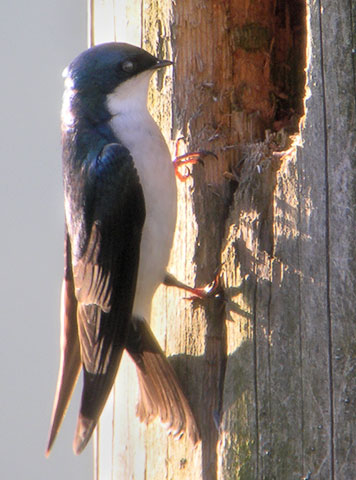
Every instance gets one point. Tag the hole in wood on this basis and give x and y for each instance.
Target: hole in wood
(289, 63)
(269, 45)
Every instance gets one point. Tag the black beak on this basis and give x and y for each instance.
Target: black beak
(161, 63)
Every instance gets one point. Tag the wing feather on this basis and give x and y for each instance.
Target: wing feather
(105, 272)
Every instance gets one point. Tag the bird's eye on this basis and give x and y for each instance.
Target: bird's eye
(128, 66)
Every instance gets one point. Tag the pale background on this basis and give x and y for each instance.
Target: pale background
(38, 39)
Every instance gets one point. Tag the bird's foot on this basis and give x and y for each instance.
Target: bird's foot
(210, 290)
(188, 158)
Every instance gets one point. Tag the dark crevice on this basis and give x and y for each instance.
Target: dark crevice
(215, 356)
(269, 370)
(327, 248)
(353, 29)
(255, 379)
(299, 247)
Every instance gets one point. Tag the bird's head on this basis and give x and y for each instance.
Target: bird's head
(110, 70)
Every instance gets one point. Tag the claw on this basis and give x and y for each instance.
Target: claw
(212, 289)
(188, 158)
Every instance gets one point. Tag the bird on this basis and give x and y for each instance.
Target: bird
(120, 205)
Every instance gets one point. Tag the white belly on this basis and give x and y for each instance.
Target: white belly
(152, 159)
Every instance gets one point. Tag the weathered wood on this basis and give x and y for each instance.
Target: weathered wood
(270, 373)
(339, 82)
(262, 398)
(316, 413)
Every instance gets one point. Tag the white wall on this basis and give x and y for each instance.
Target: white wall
(37, 40)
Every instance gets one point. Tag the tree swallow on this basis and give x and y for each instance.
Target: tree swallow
(120, 215)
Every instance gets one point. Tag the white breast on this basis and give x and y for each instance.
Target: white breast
(136, 129)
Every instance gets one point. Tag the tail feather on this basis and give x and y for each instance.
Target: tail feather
(70, 362)
(83, 433)
(160, 392)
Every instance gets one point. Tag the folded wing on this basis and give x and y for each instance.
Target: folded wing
(105, 247)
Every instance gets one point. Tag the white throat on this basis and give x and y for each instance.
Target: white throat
(130, 97)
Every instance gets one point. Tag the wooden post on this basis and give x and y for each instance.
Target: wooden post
(271, 371)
